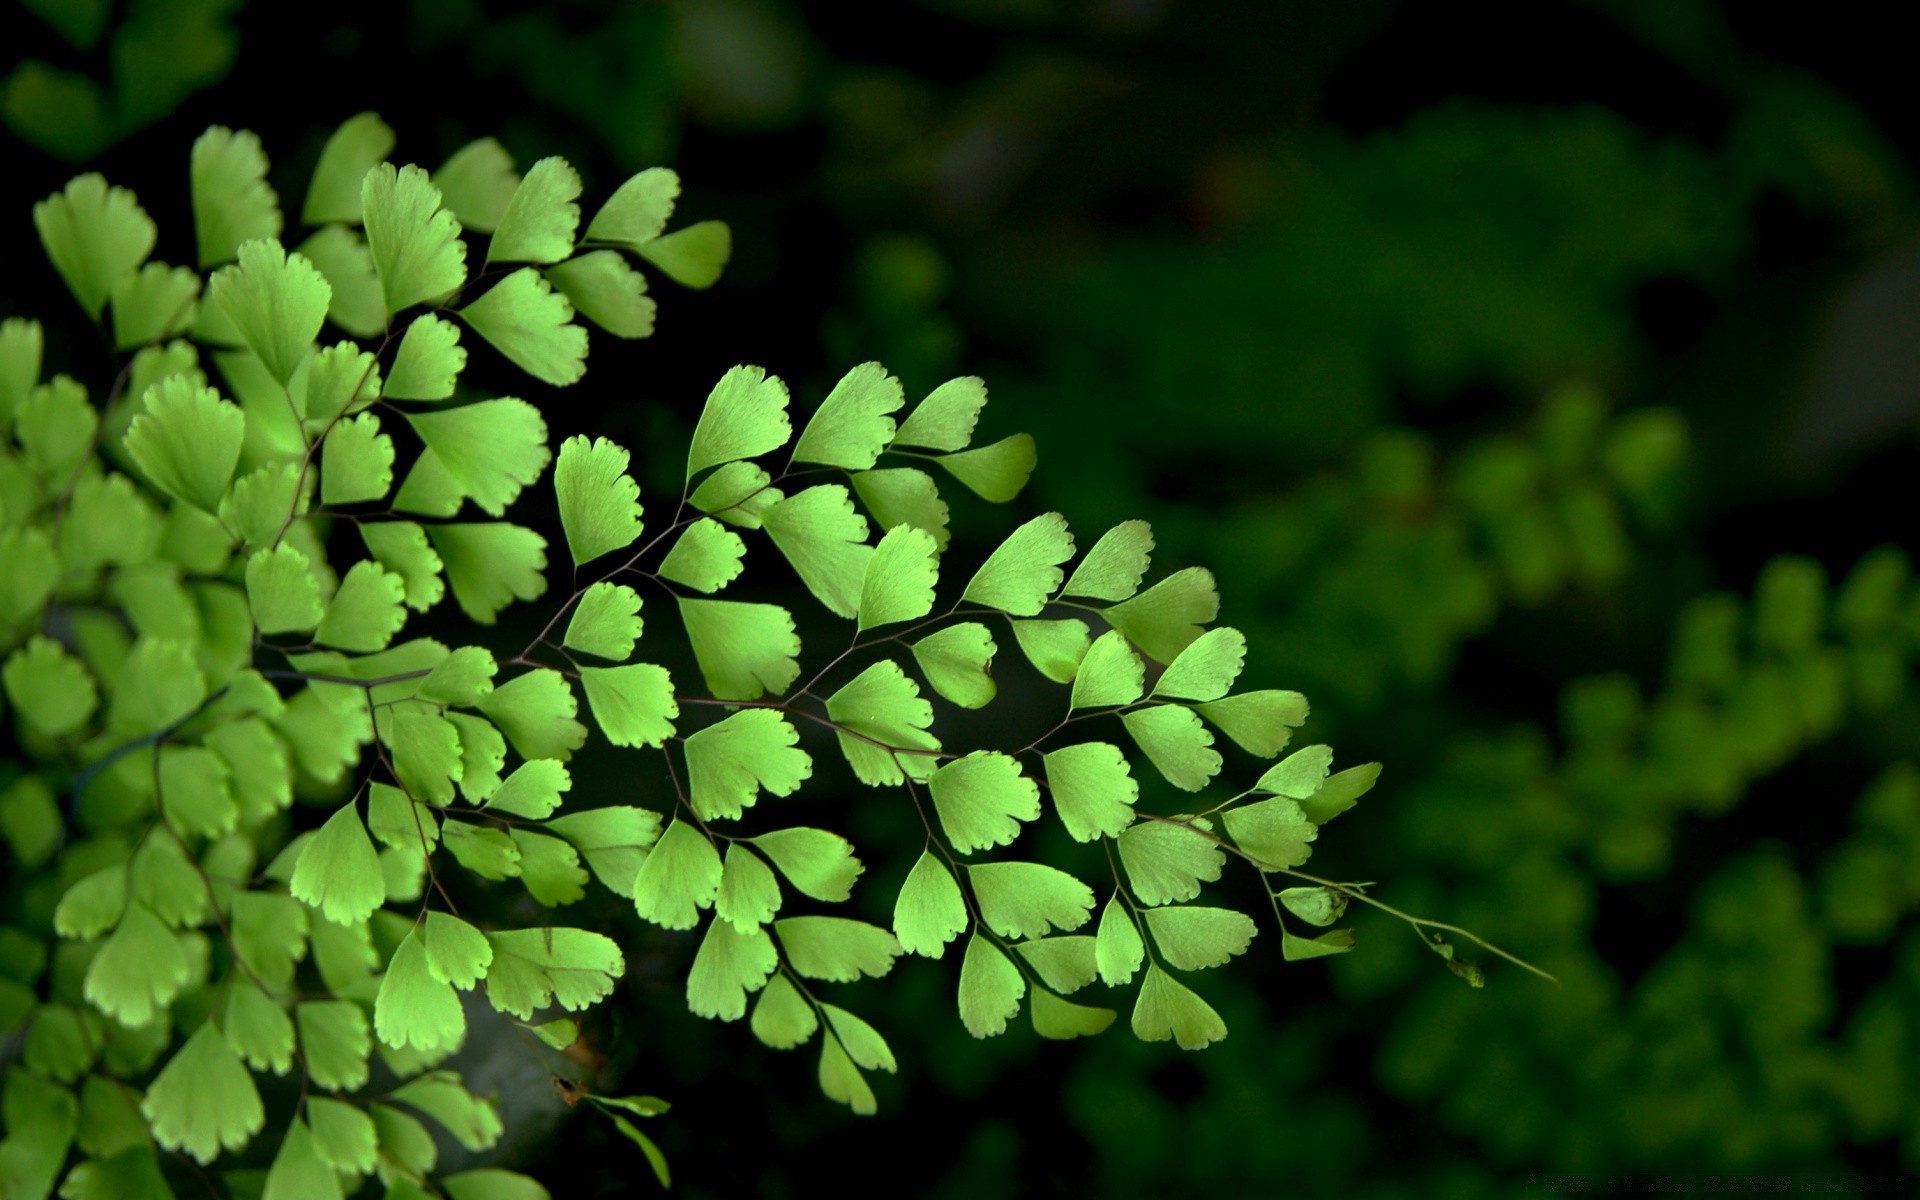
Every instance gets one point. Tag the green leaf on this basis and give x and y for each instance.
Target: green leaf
(138, 971)
(342, 378)
(93, 904)
(730, 963)
(455, 952)
(356, 463)
(899, 496)
(1093, 789)
(1062, 1019)
(817, 863)
(343, 1136)
(525, 319)
(416, 246)
(1023, 573)
(428, 363)
(599, 501)
(361, 143)
(536, 712)
(1169, 1009)
(30, 821)
(997, 472)
(487, 852)
(1023, 899)
(398, 820)
(882, 719)
(1315, 905)
(826, 542)
(614, 840)
(1167, 617)
(50, 689)
(540, 220)
(56, 426)
(608, 292)
(1299, 949)
(958, 663)
(861, 1041)
(706, 556)
(559, 1035)
(425, 749)
(472, 1121)
(282, 590)
(745, 650)
(945, 419)
(782, 1018)
(606, 622)
(1166, 862)
(1110, 676)
(693, 256)
(258, 1029)
(232, 201)
(854, 423)
(462, 677)
(94, 234)
(1340, 792)
(982, 799)
(1299, 774)
(749, 893)
(532, 967)
(730, 760)
(110, 1120)
(491, 449)
(1260, 722)
(533, 790)
(1206, 669)
(490, 566)
(1177, 744)
(840, 1080)
(341, 255)
(187, 441)
(406, 1142)
(1192, 939)
(1055, 648)
(334, 1043)
(836, 949)
(737, 493)
(1276, 832)
(634, 705)
(203, 1100)
(262, 500)
(401, 547)
(276, 301)
(899, 579)
(366, 612)
(477, 183)
(1067, 964)
(637, 212)
(1112, 570)
(745, 416)
(339, 872)
(990, 989)
(22, 344)
(550, 869)
(152, 304)
(929, 911)
(413, 1008)
(195, 794)
(679, 878)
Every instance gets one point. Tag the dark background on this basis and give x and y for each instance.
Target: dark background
(1472, 348)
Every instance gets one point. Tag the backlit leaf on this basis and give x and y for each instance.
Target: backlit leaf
(1055, 648)
(981, 800)
(883, 720)
(1276, 832)
(1024, 899)
(94, 234)
(606, 621)
(187, 440)
(730, 963)
(638, 210)
(539, 222)
(1168, 1009)
(679, 878)
(277, 301)
(599, 501)
(817, 863)
(428, 362)
(945, 419)
(1167, 617)
(929, 911)
(749, 893)
(490, 566)
(1260, 722)
(1192, 939)
(904, 496)
(1112, 570)
(358, 146)
(232, 201)
(491, 449)
(1117, 948)
(607, 291)
(990, 989)
(413, 1007)
(1023, 573)
(1110, 676)
(745, 416)
(899, 579)
(339, 870)
(706, 556)
(203, 1100)
(854, 423)
(634, 704)
(532, 967)
(1178, 745)
(729, 761)
(525, 319)
(692, 256)
(997, 472)
(415, 244)
(1166, 862)
(1206, 668)
(1093, 789)
(958, 663)
(477, 182)
(825, 540)
(836, 949)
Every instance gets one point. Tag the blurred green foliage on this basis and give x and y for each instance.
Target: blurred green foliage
(1486, 384)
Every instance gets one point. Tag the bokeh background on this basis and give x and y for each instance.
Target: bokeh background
(1540, 379)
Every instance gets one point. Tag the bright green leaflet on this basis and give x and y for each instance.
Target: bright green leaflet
(706, 557)
(692, 256)
(899, 578)
(945, 419)
(1169, 1010)
(526, 320)
(990, 989)
(355, 148)
(958, 663)
(539, 221)
(415, 244)
(1111, 674)
(997, 472)
(606, 622)
(1092, 788)
(1113, 569)
(982, 799)
(604, 289)
(745, 416)
(729, 761)
(854, 423)
(428, 362)
(599, 501)
(276, 300)
(1024, 572)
